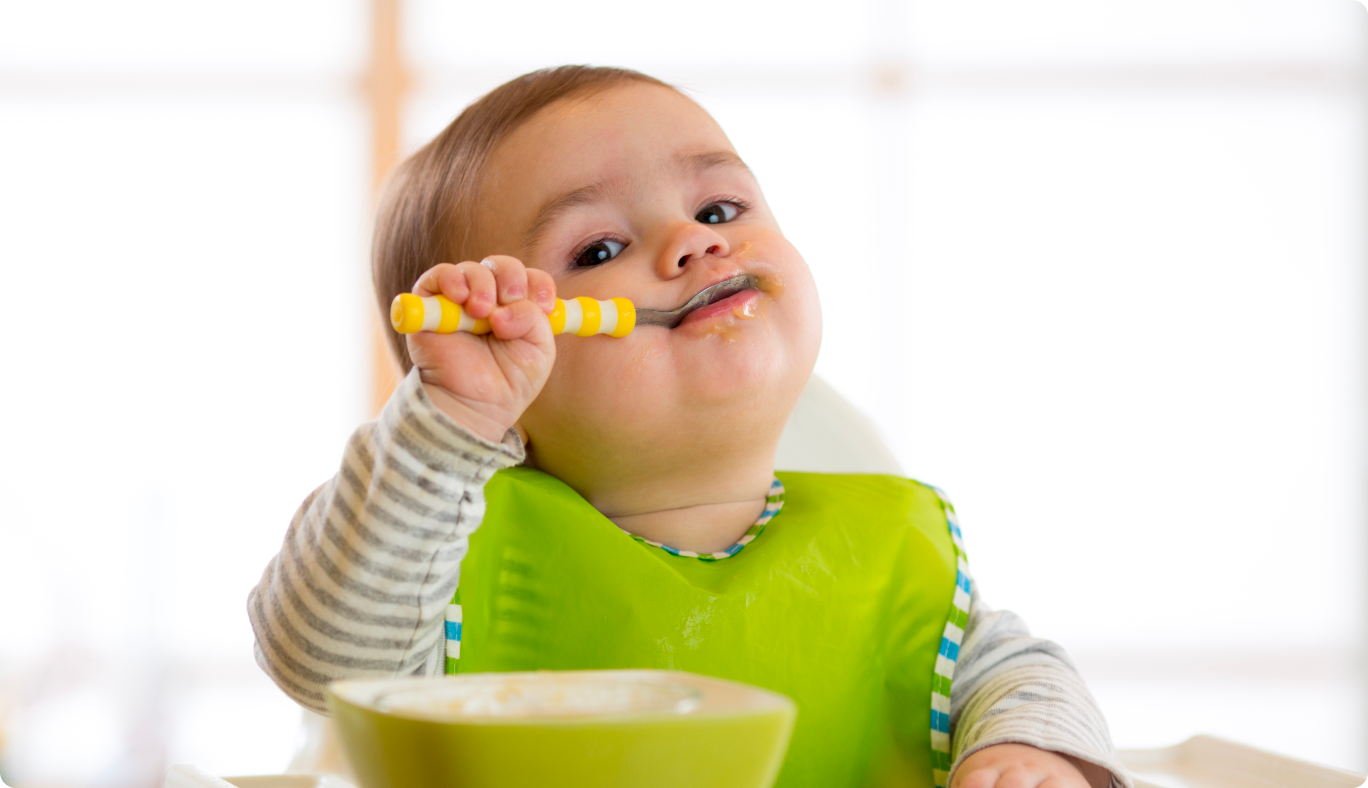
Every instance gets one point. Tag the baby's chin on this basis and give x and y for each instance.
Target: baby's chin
(737, 355)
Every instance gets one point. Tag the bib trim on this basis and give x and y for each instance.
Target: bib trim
(948, 653)
(774, 501)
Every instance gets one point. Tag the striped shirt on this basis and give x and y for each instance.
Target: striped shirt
(361, 584)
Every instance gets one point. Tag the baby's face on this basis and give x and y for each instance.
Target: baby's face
(637, 193)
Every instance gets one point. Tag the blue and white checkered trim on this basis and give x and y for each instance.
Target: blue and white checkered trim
(453, 636)
(950, 643)
(774, 501)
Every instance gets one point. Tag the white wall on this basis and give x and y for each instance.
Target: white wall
(182, 198)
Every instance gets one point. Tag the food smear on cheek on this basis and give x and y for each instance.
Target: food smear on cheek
(726, 329)
(772, 284)
(642, 358)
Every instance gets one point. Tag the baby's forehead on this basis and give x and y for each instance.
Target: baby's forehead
(612, 143)
(632, 125)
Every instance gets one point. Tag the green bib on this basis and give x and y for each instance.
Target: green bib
(852, 602)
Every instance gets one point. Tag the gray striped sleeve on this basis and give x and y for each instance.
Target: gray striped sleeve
(1012, 688)
(361, 583)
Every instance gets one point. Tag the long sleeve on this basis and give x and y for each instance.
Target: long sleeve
(1012, 688)
(372, 557)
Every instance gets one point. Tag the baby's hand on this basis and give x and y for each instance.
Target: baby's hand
(1023, 766)
(486, 382)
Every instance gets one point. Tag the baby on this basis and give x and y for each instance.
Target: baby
(644, 525)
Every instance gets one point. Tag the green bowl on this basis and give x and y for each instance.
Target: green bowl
(599, 728)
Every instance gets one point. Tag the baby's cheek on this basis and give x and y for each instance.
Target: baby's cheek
(604, 373)
(642, 358)
(798, 316)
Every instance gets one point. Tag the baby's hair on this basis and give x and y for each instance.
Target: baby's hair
(425, 214)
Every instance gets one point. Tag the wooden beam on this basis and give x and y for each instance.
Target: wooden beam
(386, 85)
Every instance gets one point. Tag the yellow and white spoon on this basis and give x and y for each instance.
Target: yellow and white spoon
(583, 317)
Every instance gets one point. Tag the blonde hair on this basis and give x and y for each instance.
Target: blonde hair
(425, 216)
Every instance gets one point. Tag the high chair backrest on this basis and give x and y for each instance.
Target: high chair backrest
(829, 435)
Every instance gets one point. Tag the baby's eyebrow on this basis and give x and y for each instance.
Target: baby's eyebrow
(555, 208)
(694, 163)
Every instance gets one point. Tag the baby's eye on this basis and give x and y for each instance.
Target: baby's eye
(598, 252)
(717, 213)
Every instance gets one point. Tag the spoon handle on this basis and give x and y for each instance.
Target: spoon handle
(583, 317)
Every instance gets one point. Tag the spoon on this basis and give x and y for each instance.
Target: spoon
(581, 316)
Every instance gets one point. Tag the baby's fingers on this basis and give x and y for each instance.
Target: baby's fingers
(522, 320)
(510, 277)
(430, 283)
(541, 289)
(979, 778)
(1011, 777)
(469, 284)
(1019, 777)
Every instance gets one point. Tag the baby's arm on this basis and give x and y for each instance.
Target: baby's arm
(1012, 689)
(371, 559)
(361, 584)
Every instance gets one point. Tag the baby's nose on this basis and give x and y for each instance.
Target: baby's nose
(690, 243)
(710, 250)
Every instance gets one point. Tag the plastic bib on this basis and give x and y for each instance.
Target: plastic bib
(852, 602)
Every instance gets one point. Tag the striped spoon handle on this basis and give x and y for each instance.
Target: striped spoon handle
(583, 317)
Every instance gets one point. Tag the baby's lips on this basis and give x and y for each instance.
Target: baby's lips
(741, 304)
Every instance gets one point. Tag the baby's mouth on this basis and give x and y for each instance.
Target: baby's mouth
(705, 297)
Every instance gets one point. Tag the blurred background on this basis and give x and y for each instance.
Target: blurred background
(1096, 269)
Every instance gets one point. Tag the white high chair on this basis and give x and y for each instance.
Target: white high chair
(828, 434)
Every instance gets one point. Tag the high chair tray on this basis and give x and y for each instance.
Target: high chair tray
(1209, 762)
